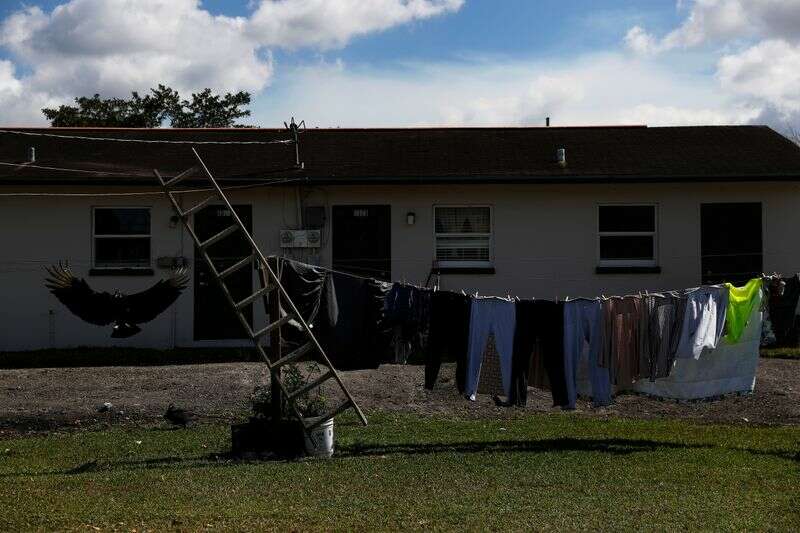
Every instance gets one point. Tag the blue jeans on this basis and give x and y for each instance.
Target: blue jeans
(490, 315)
(583, 325)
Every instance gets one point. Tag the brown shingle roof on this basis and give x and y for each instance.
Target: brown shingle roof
(614, 153)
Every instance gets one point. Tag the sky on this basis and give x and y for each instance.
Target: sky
(373, 63)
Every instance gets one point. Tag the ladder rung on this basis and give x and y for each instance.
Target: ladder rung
(278, 323)
(219, 236)
(180, 177)
(293, 356)
(192, 210)
(238, 266)
(253, 297)
(324, 418)
(311, 385)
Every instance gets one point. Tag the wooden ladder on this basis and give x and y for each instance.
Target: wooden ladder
(270, 286)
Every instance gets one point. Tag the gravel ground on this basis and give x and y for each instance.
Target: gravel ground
(42, 400)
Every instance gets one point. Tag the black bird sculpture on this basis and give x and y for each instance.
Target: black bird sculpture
(123, 310)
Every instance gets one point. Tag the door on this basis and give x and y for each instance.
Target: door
(362, 240)
(730, 242)
(213, 317)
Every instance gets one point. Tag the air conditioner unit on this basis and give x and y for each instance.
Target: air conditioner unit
(301, 238)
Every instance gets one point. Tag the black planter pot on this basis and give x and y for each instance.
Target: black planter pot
(261, 436)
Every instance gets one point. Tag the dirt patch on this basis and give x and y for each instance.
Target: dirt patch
(43, 400)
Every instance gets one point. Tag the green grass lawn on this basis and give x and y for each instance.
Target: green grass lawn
(405, 472)
(780, 353)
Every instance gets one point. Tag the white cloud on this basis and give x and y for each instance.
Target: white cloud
(687, 116)
(329, 24)
(715, 21)
(116, 46)
(760, 64)
(768, 72)
(595, 89)
(17, 103)
(641, 42)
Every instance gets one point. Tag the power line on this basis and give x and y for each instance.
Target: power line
(62, 169)
(143, 193)
(144, 141)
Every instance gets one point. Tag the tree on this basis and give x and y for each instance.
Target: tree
(204, 110)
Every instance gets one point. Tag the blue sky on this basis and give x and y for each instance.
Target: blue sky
(395, 62)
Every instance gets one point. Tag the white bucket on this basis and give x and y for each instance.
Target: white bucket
(320, 444)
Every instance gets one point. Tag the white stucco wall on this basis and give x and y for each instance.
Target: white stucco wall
(545, 245)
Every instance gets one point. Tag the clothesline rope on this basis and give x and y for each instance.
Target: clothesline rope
(142, 141)
(566, 299)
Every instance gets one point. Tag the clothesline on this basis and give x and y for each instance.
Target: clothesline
(509, 296)
(668, 346)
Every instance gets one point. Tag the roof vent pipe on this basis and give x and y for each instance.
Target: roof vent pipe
(561, 157)
(31, 155)
(547, 122)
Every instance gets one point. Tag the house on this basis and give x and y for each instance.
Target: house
(533, 212)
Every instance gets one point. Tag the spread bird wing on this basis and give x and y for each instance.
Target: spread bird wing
(146, 305)
(93, 307)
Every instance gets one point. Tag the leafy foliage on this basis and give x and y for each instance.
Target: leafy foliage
(310, 404)
(162, 105)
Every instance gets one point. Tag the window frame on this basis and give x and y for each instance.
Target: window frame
(94, 236)
(623, 263)
(449, 264)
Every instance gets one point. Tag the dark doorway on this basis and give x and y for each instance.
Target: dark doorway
(362, 240)
(213, 318)
(730, 242)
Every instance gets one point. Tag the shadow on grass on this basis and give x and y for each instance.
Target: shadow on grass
(613, 446)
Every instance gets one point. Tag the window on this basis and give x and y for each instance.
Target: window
(627, 235)
(463, 236)
(121, 237)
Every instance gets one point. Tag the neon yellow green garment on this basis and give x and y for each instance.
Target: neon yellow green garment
(740, 305)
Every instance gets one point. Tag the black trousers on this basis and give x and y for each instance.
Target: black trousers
(781, 312)
(540, 327)
(448, 337)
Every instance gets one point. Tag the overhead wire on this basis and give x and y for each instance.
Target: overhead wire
(146, 193)
(63, 169)
(143, 141)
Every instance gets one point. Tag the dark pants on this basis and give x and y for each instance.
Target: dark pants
(539, 333)
(449, 335)
(782, 313)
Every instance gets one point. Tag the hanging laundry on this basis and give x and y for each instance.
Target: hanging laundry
(729, 368)
(538, 358)
(408, 311)
(360, 339)
(583, 333)
(784, 298)
(312, 291)
(740, 305)
(490, 316)
(767, 335)
(449, 336)
(490, 379)
(623, 335)
(663, 316)
(703, 320)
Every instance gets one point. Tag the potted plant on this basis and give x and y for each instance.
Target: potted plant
(311, 405)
